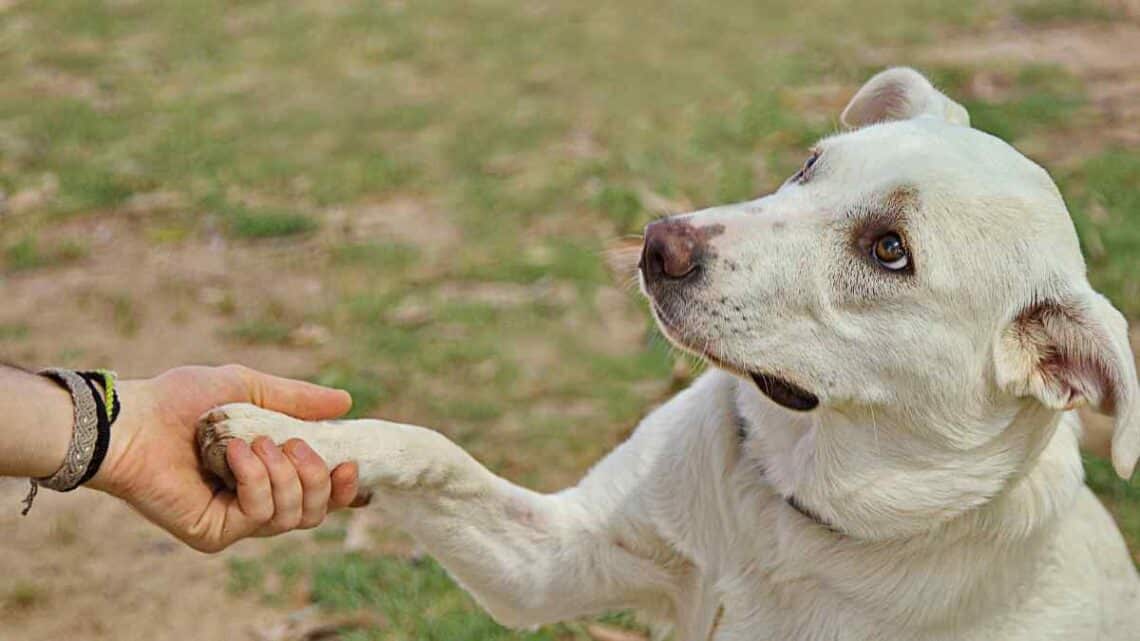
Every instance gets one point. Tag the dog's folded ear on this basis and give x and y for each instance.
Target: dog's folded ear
(1070, 351)
(900, 93)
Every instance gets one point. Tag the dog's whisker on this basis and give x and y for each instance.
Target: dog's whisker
(875, 431)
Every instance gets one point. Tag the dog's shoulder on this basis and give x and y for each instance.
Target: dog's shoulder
(694, 442)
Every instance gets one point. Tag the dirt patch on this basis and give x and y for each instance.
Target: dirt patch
(83, 566)
(405, 219)
(501, 295)
(58, 83)
(1099, 54)
(1091, 51)
(160, 306)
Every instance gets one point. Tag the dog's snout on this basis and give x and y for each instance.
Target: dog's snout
(672, 250)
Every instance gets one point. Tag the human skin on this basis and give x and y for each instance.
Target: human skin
(152, 461)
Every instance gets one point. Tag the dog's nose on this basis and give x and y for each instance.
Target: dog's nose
(672, 250)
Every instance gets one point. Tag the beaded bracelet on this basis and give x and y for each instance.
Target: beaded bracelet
(97, 406)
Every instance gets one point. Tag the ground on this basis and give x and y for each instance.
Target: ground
(413, 200)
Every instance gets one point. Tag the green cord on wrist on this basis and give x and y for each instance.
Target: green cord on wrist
(109, 392)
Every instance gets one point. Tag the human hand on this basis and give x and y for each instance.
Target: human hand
(152, 462)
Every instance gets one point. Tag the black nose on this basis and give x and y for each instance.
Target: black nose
(672, 250)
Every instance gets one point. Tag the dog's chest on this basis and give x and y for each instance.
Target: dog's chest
(809, 597)
(770, 607)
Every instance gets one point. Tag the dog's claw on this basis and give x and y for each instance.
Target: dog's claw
(213, 437)
(363, 497)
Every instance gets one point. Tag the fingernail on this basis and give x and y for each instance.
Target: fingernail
(348, 471)
(302, 452)
(267, 449)
(239, 448)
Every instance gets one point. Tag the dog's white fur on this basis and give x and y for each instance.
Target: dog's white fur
(941, 464)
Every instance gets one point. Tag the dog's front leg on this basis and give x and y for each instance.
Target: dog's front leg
(528, 558)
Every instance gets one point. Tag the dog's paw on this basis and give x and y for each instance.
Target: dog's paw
(222, 424)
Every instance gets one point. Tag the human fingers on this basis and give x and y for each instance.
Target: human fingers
(345, 486)
(316, 484)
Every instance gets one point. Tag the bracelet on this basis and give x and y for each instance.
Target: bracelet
(97, 406)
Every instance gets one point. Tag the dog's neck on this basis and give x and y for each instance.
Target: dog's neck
(878, 481)
(890, 515)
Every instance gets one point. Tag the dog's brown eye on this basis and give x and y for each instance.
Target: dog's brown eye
(805, 172)
(891, 253)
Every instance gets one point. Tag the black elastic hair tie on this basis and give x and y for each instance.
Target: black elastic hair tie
(105, 418)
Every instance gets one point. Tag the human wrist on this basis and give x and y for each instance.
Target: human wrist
(115, 473)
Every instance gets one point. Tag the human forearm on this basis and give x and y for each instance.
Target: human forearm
(36, 421)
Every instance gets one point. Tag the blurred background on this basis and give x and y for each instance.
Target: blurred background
(412, 200)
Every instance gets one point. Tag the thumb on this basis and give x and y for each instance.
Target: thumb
(296, 398)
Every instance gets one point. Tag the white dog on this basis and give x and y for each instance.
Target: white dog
(886, 450)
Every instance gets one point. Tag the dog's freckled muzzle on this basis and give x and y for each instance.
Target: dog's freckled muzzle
(672, 260)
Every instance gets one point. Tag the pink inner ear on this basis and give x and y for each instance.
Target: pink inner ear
(1081, 378)
(890, 102)
(1072, 353)
(887, 101)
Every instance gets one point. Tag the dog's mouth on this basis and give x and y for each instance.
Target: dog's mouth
(781, 391)
(785, 393)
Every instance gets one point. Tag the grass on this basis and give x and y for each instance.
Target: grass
(23, 596)
(124, 314)
(267, 223)
(29, 253)
(398, 589)
(1106, 208)
(13, 331)
(414, 599)
(1037, 11)
(361, 384)
(261, 331)
(1031, 98)
(1122, 498)
(245, 575)
(379, 257)
(525, 138)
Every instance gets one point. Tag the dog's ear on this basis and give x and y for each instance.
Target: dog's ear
(1071, 351)
(900, 93)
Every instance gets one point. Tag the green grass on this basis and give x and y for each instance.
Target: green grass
(262, 331)
(1032, 98)
(1035, 11)
(373, 256)
(23, 596)
(364, 386)
(13, 331)
(1122, 498)
(245, 575)
(414, 598)
(125, 314)
(268, 223)
(1027, 113)
(399, 589)
(30, 253)
(1105, 202)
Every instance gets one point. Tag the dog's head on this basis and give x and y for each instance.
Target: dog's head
(914, 270)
